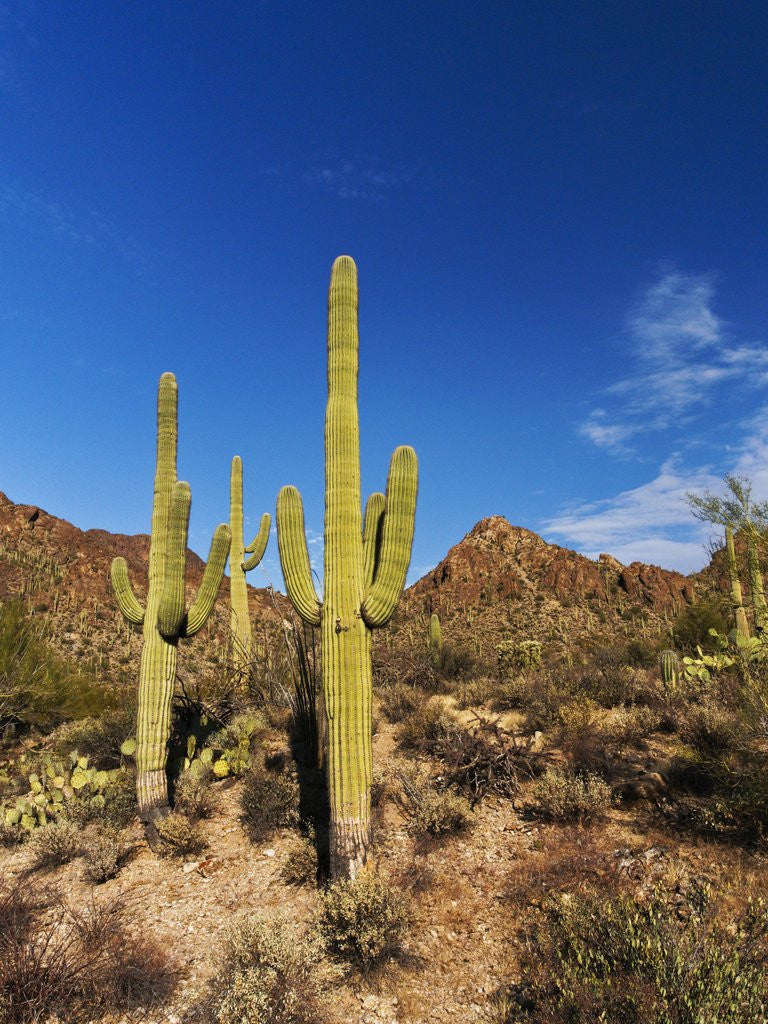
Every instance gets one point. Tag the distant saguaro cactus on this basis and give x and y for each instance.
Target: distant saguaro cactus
(669, 664)
(364, 574)
(435, 634)
(240, 619)
(756, 586)
(737, 601)
(165, 620)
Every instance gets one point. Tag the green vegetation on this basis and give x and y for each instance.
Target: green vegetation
(363, 920)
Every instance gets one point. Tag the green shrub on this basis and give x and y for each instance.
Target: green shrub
(53, 845)
(610, 959)
(362, 921)
(428, 725)
(441, 814)
(300, 865)
(561, 796)
(178, 836)
(269, 801)
(194, 795)
(104, 849)
(475, 692)
(98, 739)
(264, 976)
(38, 686)
(691, 628)
(399, 701)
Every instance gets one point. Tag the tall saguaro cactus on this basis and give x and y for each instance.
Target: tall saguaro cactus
(165, 619)
(737, 601)
(756, 585)
(240, 619)
(364, 574)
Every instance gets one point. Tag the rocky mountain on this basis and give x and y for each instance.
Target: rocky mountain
(503, 580)
(62, 573)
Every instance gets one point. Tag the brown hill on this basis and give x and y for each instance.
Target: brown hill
(62, 572)
(505, 580)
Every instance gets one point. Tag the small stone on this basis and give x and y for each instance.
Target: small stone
(269, 853)
(190, 866)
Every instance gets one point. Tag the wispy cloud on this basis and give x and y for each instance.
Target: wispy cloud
(41, 214)
(649, 523)
(680, 352)
(360, 178)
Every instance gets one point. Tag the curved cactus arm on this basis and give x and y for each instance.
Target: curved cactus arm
(294, 557)
(212, 577)
(126, 599)
(372, 523)
(396, 538)
(170, 613)
(258, 545)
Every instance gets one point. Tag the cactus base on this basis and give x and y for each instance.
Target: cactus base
(349, 842)
(152, 795)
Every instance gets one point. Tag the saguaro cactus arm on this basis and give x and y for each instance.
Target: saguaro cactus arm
(372, 523)
(396, 538)
(129, 605)
(294, 557)
(258, 545)
(211, 581)
(170, 613)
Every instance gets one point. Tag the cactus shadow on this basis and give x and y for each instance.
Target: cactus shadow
(314, 802)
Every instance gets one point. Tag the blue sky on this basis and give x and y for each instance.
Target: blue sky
(558, 211)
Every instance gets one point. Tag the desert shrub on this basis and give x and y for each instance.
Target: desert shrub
(178, 836)
(610, 958)
(269, 800)
(441, 814)
(475, 692)
(300, 865)
(691, 628)
(104, 850)
(453, 662)
(194, 795)
(539, 694)
(562, 796)
(399, 701)
(264, 976)
(426, 726)
(38, 686)
(711, 730)
(53, 845)
(98, 739)
(75, 963)
(362, 921)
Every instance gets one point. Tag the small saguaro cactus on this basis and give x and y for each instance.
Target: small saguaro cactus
(240, 620)
(364, 574)
(435, 634)
(756, 585)
(737, 601)
(669, 664)
(165, 620)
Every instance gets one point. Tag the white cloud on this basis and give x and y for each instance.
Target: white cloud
(650, 523)
(680, 353)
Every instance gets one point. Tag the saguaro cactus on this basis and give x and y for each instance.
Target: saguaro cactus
(669, 663)
(240, 619)
(435, 634)
(756, 585)
(364, 574)
(737, 601)
(165, 620)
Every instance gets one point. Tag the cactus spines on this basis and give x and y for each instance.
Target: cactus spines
(240, 620)
(669, 664)
(364, 572)
(737, 602)
(435, 634)
(165, 619)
